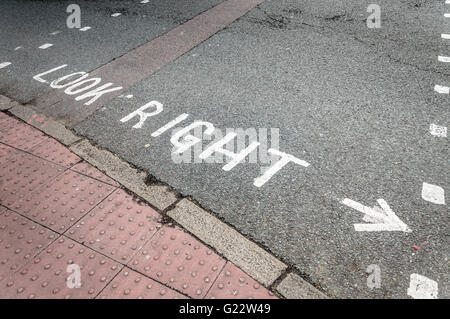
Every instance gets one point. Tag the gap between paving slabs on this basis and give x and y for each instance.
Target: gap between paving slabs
(247, 255)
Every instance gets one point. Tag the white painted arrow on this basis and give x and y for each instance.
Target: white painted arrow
(380, 219)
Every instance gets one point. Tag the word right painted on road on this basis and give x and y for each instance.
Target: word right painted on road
(182, 141)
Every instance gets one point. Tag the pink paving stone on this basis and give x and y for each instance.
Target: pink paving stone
(23, 174)
(53, 151)
(62, 202)
(7, 122)
(234, 283)
(48, 274)
(2, 209)
(20, 241)
(178, 260)
(7, 153)
(118, 227)
(131, 285)
(89, 170)
(23, 137)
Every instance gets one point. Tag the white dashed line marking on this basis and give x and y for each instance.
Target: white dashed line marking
(445, 36)
(4, 64)
(447, 15)
(145, 1)
(85, 28)
(436, 130)
(442, 89)
(45, 46)
(55, 32)
(421, 287)
(116, 14)
(18, 48)
(433, 194)
(445, 59)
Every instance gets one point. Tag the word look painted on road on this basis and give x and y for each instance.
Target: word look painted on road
(78, 83)
(183, 141)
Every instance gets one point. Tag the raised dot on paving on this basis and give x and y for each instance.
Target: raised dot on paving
(65, 200)
(89, 170)
(131, 285)
(118, 227)
(433, 193)
(22, 174)
(64, 270)
(179, 261)
(20, 241)
(53, 151)
(234, 283)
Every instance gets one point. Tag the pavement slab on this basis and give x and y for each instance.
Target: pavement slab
(60, 204)
(21, 240)
(89, 170)
(51, 150)
(118, 227)
(233, 283)
(47, 276)
(7, 153)
(21, 136)
(179, 261)
(22, 174)
(129, 284)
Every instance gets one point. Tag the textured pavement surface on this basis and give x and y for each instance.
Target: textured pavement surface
(357, 104)
(58, 212)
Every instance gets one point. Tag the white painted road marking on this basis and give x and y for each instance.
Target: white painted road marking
(85, 29)
(442, 89)
(445, 36)
(447, 15)
(381, 220)
(18, 48)
(445, 59)
(116, 14)
(433, 193)
(45, 46)
(421, 287)
(4, 64)
(145, 1)
(439, 131)
(55, 32)
(169, 125)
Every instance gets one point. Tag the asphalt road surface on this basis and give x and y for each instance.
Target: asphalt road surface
(359, 105)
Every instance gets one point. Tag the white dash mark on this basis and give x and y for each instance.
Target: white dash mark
(45, 46)
(433, 193)
(437, 130)
(85, 28)
(421, 287)
(116, 14)
(129, 96)
(18, 48)
(145, 1)
(447, 15)
(445, 59)
(4, 64)
(55, 32)
(442, 89)
(445, 36)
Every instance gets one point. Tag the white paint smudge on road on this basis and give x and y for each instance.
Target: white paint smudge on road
(116, 14)
(445, 59)
(433, 194)
(45, 46)
(421, 287)
(439, 131)
(442, 89)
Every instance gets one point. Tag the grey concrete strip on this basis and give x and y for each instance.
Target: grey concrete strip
(45, 124)
(157, 195)
(6, 103)
(145, 60)
(248, 256)
(294, 287)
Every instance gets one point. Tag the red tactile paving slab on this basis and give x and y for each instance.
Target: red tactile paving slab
(47, 275)
(21, 136)
(89, 170)
(53, 151)
(132, 285)
(2, 209)
(23, 174)
(7, 153)
(20, 241)
(118, 227)
(62, 202)
(180, 261)
(233, 283)
(7, 122)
